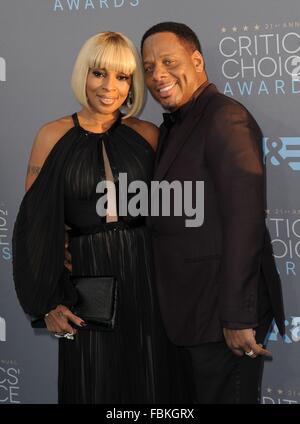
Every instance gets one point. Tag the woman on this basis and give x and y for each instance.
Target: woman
(69, 157)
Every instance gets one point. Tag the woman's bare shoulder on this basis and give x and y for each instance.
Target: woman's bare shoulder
(48, 135)
(51, 132)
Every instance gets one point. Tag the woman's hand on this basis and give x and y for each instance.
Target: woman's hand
(57, 320)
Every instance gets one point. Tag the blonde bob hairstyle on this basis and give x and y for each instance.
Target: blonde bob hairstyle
(111, 51)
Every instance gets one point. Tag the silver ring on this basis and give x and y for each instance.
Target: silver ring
(59, 335)
(250, 353)
(69, 336)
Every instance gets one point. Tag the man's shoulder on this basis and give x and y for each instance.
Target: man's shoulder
(219, 104)
(218, 99)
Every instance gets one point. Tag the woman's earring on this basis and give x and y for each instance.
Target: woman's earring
(129, 101)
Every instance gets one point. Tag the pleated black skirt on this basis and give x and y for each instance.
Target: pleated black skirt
(135, 362)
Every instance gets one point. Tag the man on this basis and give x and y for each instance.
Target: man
(217, 283)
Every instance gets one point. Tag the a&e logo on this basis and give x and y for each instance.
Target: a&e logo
(283, 149)
(292, 331)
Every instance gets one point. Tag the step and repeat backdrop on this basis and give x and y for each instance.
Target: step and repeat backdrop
(252, 51)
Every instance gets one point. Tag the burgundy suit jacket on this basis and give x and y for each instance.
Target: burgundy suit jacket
(210, 277)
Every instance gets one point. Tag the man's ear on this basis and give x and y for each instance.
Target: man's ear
(198, 61)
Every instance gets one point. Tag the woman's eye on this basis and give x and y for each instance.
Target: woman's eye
(123, 77)
(98, 74)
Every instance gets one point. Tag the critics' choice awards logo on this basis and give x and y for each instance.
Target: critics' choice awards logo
(4, 239)
(284, 226)
(76, 5)
(282, 150)
(285, 396)
(261, 59)
(9, 382)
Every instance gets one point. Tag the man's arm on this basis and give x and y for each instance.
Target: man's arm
(234, 155)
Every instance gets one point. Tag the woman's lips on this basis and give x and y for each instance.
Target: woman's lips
(107, 100)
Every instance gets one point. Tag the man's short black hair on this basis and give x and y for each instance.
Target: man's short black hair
(182, 31)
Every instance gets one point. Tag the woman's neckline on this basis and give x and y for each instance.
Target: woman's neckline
(117, 122)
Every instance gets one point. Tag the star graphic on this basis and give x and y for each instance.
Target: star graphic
(245, 28)
(256, 27)
(223, 29)
(269, 390)
(280, 391)
(234, 29)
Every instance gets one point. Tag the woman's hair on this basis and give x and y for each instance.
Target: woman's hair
(111, 51)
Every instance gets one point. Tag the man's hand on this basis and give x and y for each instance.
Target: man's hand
(243, 341)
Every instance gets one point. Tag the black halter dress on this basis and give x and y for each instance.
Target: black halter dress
(133, 363)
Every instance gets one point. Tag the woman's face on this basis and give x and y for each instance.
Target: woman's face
(107, 90)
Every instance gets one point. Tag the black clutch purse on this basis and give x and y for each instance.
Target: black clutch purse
(97, 301)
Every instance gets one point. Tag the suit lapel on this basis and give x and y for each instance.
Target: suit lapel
(168, 157)
(163, 132)
(162, 164)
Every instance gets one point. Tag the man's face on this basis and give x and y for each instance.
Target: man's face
(173, 72)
